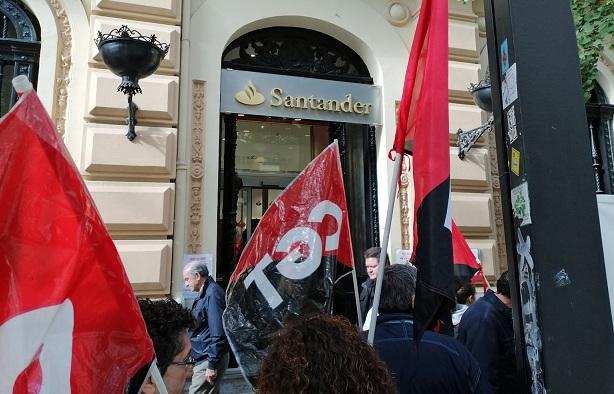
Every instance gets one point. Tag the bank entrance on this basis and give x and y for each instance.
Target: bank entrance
(287, 93)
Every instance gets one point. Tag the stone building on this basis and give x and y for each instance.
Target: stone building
(162, 196)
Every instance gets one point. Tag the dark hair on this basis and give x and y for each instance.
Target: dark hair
(398, 288)
(375, 252)
(322, 354)
(503, 284)
(166, 320)
(464, 293)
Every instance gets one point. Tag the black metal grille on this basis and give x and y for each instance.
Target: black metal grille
(296, 51)
(599, 116)
(19, 49)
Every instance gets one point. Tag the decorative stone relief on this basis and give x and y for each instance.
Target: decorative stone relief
(62, 78)
(397, 13)
(404, 204)
(501, 262)
(196, 165)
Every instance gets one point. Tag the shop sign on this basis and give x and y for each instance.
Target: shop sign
(283, 96)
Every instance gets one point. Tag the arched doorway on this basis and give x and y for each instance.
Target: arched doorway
(261, 153)
(19, 49)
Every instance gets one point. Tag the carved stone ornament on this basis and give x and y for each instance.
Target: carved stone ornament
(397, 13)
(496, 196)
(406, 212)
(196, 165)
(62, 78)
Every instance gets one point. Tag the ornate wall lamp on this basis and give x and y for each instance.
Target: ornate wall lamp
(482, 97)
(132, 56)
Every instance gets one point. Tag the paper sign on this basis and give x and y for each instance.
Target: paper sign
(505, 57)
(512, 131)
(509, 89)
(403, 256)
(515, 166)
(520, 203)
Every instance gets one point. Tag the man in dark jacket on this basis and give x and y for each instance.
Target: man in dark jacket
(487, 331)
(368, 286)
(438, 363)
(209, 343)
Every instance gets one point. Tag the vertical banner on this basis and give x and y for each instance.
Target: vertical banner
(69, 322)
(288, 266)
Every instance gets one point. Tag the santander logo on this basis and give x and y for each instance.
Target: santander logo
(249, 96)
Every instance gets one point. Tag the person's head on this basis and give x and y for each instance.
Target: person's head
(321, 354)
(372, 261)
(398, 288)
(195, 275)
(465, 294)
(503, 285)
(167, 324)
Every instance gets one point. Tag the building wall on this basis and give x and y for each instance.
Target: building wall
(158, 194)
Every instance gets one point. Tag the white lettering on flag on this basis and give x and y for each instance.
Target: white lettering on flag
(46, 332)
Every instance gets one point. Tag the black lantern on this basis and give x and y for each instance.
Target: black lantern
(482, 97)
(132, 56)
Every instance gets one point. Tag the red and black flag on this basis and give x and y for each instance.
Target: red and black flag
(287, 269)
(467, 269)
(423, 125)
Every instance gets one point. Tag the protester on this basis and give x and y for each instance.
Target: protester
(167, 324)
(322, 354)
(465, 296)
(209, 343)
(368, 287)
(486, 329)
(438, 363)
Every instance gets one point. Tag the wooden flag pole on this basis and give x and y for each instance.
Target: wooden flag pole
(396, 169)
(156, 377)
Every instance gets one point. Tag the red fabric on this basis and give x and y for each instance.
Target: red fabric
(423, 129)
(423, 111)
(55, 250)
(321, 180)
(464, 256)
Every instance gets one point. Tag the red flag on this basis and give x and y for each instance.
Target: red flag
(423, 123)
(466, 266)
(288, 266)
(69, 321)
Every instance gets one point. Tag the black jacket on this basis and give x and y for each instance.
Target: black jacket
(208, 339)
(366, 297)
(438, 364)
(487, 331)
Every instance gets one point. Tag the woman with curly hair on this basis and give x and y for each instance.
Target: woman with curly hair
(322, 354)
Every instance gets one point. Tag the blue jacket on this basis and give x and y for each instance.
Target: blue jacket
(438, 364)
(487, 331)
(208, 339)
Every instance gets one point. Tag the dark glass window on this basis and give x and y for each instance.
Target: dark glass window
(19, 49)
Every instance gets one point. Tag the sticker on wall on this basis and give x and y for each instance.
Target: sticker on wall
(512, 131)
(505, 58)
(515, 166)
(520, 203)
(509, 89)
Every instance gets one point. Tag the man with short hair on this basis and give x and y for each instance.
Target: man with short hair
(368, 287)
(209, 343)
(438, 363)
(486, 329)
(167, 325)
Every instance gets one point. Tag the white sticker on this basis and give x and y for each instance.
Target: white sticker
(512, 132)
(403, 256)
(509, 90)
(520, 203)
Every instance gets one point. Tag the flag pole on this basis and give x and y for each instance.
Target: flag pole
(398, 158)
(356, 296)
